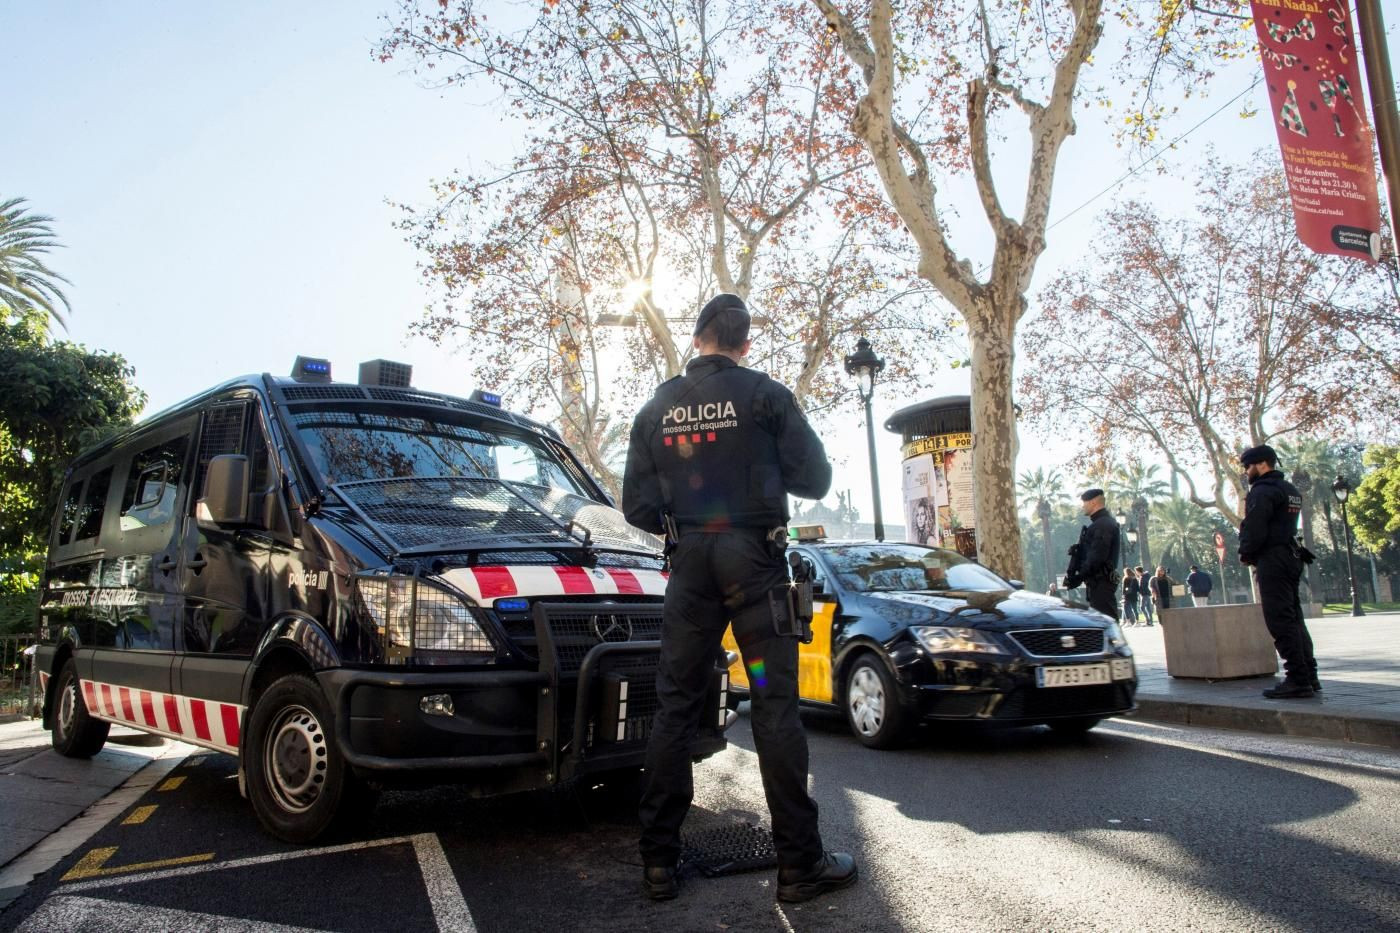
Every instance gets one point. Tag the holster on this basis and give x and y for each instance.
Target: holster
(791, 606)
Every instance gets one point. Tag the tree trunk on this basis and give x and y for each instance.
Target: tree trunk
(1045, 533)
(994, 439)
(1303, 480)
(1144, 547)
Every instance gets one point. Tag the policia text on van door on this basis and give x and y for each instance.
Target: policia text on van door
(343, 584)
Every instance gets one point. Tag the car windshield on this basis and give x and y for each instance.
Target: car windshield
(886, 568)
(348, 446)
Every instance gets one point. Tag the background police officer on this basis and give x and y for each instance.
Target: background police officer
(1094, 560)
(1268, 542)
(717, 451)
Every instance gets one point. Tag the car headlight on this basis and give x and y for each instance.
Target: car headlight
(1113, 635)
(420, 621)
(941, 639)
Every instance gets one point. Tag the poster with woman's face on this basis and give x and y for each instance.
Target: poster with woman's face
(919, 491)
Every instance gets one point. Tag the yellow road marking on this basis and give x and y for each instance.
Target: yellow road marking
(139, 815)
(94, 864)
(172, 783)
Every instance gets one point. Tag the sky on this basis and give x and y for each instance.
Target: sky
(223, 176)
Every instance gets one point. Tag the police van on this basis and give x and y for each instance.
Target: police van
(347, 584)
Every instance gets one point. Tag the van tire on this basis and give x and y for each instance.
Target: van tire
(298, 782)
(76, 734)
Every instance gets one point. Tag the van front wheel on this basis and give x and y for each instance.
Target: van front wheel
(297, 780)
(75, 733)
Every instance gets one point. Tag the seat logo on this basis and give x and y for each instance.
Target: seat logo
(1067, 641)
(612, 628)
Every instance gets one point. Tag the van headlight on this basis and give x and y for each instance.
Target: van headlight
(421, 621)
(941, 639)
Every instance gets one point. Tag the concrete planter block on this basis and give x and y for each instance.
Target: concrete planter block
(1218, 642)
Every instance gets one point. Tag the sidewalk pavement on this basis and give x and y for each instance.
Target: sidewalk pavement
(50, 805)
(1358, 663)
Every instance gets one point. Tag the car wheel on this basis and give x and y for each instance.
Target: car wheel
(298, 782)
(1077, 725)
(873, 708)
(75, 733)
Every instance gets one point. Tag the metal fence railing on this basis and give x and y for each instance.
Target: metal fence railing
(19, 688)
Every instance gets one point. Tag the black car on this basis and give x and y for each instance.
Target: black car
(904, 632)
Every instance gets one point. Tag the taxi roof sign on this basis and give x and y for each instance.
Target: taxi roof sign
(807, 532)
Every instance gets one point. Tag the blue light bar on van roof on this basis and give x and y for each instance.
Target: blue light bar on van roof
(487, 398)
(309, 369)
(512, 605)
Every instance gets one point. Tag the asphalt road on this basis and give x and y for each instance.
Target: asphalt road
(1135, 826)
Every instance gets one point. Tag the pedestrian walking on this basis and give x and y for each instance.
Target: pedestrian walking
(1161, 586)
(1094, 560)
(1132, 590)
(1269, 544)
(712, 458)
(1198, 583)
(1144, 593)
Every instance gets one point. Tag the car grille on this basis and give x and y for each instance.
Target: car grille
(1049, 642)
(1036, 702)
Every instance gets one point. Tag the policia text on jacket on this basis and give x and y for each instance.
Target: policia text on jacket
(344, 584)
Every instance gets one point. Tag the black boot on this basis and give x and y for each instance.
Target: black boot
(836, 870)
(660, 882)
(1289, 690)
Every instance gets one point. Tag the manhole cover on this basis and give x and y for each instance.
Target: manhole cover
(729, 850)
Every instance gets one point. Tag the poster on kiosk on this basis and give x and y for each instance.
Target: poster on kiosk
(938, 492)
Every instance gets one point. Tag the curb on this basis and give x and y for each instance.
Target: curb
(1300, 723)
(16, 875)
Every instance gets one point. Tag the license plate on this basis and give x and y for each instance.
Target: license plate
(1072, 675)
(1122, 668)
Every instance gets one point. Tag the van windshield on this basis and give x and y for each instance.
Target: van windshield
(349, 446)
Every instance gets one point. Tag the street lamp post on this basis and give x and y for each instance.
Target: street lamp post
(1127, 540)
(865, 366)
(1342, 490)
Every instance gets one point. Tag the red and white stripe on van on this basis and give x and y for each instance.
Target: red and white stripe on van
(198, 722)
(486, 584)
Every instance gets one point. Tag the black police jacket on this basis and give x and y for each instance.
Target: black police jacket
(721, 447)
(1271, 513)
(1098, 548)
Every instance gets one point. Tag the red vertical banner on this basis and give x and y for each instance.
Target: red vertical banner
(1315, 95)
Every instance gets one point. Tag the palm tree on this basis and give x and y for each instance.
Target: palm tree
(1137, 484)
(1185, 531)
(1042, 486)
(27, 285)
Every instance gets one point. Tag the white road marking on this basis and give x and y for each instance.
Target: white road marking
(444, 894)
(449, 907)
(90, 913)
(232, 863)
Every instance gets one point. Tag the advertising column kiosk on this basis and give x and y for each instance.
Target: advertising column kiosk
(938, 484)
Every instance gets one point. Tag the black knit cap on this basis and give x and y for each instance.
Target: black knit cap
(1261, 454)
(1090, 494)
(714, 306)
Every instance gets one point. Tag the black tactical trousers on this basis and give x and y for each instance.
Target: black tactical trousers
(1102, 594)
(1278, 573)
(717, 579)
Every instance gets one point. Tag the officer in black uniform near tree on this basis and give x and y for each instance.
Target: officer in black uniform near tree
(715, 453)
(1269, 543)
(1094, 560)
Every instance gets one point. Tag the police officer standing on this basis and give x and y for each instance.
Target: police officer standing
(1094, 560)
(715, 453)
(1268, 543)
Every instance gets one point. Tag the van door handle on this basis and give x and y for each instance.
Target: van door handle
(196, 563)
(166, 565)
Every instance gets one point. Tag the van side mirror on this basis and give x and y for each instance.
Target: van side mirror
(225, 499)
